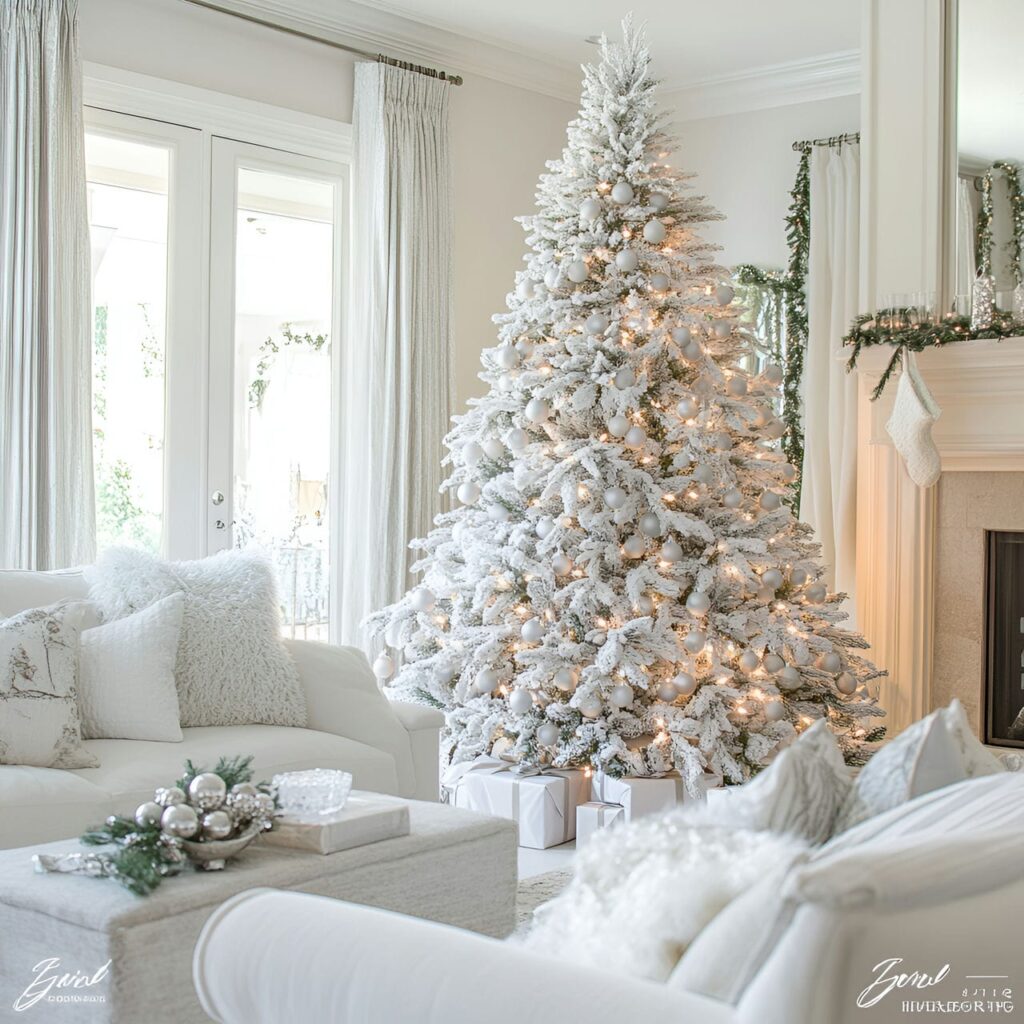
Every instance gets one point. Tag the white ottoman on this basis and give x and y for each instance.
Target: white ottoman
(454, 867)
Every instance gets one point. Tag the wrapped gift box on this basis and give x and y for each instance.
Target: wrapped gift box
(365, 818)
(542, 804)
(641, 796)
(594, 815)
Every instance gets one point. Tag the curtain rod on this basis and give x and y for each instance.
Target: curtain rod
(834, 140)
(380, 58)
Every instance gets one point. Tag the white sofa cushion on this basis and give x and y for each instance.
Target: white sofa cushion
(21, 589)
(131, 769)
(126, 675)
(232, 666)
(40, 805)
(39, 719)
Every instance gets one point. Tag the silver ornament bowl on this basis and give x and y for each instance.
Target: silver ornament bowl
(212, 854)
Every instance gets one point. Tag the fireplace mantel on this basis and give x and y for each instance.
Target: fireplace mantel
(979, 386)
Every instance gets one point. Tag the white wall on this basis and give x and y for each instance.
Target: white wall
(745, 166)
(501, 135)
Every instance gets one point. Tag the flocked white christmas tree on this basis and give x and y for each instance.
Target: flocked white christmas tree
(623, 584)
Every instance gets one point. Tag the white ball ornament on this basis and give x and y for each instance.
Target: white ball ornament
(770, 501)
(493, 448)
(596, 324)
(577, 271)
(721, 441)
(532, 630)
(566, 679)
(506, 357)
(518, 439)
(383, 666)
(520, 700)
(498, 513)
(634, 546)
(773, 663)
(687, 408)
(551, 277)
(472, 453)
(798, 577)
(423, 599)
(774, 429)
(561, 564)
(217, 825)
(590, 707)
(698, 603)
(667, 692)
(681, 336)
(636, 437)
(654, 232)
(703, 474)
(626, 260)
(788, 678)
(544, 526)
(732, 498)
(525, 289)
(537, 410)
(524, 347)
(696, 640)
(816, 593)
(749, 661)
(622, 193)
(590, 210)
(180, 820)
(548, 734)
(765, 595)
(658, 202)
(468, 492)
(772, 578)
(737, 387)
(724, 294)
(506, 382)
(722, 329)
(650, 525)
(774, 710)
(684, 683)
(625, 377)
(693, 352)
(148, 813)
(830, 662)
(660, 282)
(615, 497)
(772, 373)
(621, 695)
(846, 683)
(486, 681)
(671, 551)
(618, 426)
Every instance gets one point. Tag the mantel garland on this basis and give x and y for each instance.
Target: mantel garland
(983, 243)
(865, 333)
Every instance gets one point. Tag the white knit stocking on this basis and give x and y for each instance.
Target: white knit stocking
(910, 425)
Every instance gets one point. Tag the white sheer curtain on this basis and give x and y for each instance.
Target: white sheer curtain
(47, 517)
(398, 364)
(965, 270)
(829, 491)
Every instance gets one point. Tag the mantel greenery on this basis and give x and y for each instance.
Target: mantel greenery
(983, 242)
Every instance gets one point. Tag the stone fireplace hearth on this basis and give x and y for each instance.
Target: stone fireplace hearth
(921, 554)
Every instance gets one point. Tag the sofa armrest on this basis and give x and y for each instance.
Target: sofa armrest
(424, 727)
(268, 956)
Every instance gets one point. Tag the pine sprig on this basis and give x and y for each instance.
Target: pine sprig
(232, 770)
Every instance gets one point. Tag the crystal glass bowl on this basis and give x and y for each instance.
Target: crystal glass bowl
(312, 795)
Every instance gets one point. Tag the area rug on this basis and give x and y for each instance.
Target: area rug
(534, 891)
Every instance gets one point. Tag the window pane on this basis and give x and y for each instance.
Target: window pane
(128, 230)
(282, 399)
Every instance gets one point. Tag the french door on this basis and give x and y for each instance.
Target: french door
(217, 302)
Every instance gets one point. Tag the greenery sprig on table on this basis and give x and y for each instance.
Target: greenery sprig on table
(866, 333)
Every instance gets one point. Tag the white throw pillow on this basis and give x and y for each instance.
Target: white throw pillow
(126, 685)
(922, 758)
(39, 717)
(974, 757)
(232, 666)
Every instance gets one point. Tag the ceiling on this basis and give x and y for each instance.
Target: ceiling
(691, 41)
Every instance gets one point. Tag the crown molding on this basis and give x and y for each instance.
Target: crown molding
(774, 85)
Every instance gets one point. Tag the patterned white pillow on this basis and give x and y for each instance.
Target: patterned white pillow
(232, 666)
(976, 759)
(126, 675)
(920, 759)
(39, 718)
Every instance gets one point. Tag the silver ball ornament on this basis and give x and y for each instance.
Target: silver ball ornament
(625, 377)
(207, 791)
(788, 678)
(722, 329)
(634, 546)
(681, 336)
(724, 294)
(772, 578)
(217, 825)
(590, 707)
(687, 408)
(169, 795)
(179, 820)
(846, 683)
(772, 373)
(773, 663)
(636, 437)
(798, 577)
(693, 351)
(596, 324)
(774, 710)
(684, 683)
(696, 640)
(770, 501)
(732, 498)
(816, 593)
(615, 497)
(566, 679)
(749, 661)
(148, 813)
(650, 525)
(737, 387)
(667, 692)
(698, 603)
(561, 564)
(671, 551)
(618, 426)
(621, 695)
(830, 662)
(660, 282)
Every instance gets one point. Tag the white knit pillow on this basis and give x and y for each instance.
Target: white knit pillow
(126, 685)
(39, 718)
(232, 666)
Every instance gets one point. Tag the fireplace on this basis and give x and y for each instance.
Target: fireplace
(1004, 638)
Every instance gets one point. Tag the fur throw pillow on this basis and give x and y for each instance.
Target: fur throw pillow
(642, 893)
(232, 666)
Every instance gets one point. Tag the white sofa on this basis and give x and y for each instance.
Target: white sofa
(388, 747)
(937, 881)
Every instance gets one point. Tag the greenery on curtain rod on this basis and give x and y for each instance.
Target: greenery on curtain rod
(983, 240)
(865, 333)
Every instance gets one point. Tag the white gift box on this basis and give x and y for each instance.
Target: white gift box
(642, 796)
(542, 804)
(365, 818)
(594, 815)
